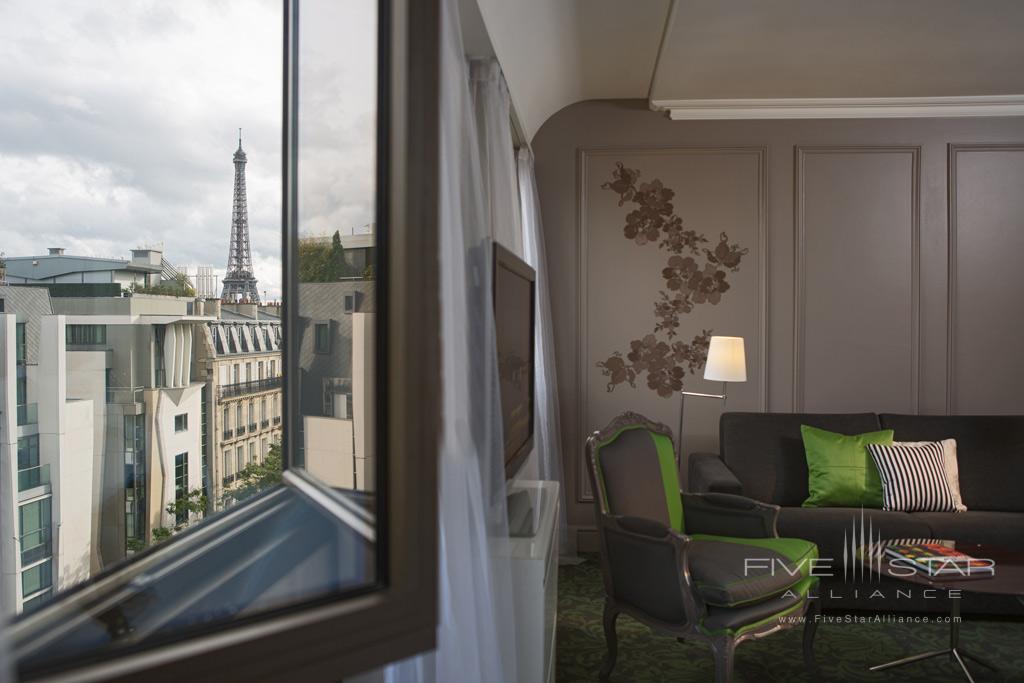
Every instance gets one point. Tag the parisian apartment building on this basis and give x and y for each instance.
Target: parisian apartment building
(114, 404)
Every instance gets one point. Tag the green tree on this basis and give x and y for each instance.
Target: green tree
(257, 476)
(179, 286)
(337, 268)
(192, 505)
(313, 261)
(319, 262)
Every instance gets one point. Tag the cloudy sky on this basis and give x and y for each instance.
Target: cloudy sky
(118, 121)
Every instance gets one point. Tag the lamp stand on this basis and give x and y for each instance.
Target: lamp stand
(682, 405)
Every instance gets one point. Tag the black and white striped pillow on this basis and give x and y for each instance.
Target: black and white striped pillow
(913, 478)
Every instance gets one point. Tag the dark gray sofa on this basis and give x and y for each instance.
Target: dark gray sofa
(762, 457)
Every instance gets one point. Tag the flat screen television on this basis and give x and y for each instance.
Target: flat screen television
(514, 292)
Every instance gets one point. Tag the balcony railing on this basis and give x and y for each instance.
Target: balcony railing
(228, 479)
(253, 427)
(264, 423)
(240, 430)
(277, 420)
(228, 433)
(32, 477)
(252, 387)
(28, 414)
(124, 395)
(35, 546)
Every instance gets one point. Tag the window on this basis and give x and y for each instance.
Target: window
(265, 447)
(181, 422)
(239, 422)
(227, 419)
(239, 459)
(86, 335)
(36, 579)
(30, 473)
(181, 486)
(273, 368)
(135, 481)
(19, 343)
(276, 413)
(34, 521)
(248, 372)
(229, 472)
(176, 633)
(252, 452)
(322, 341)
(350, 303)
(259, 368)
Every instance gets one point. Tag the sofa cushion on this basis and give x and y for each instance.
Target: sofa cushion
(840, 471)
(914, 477)
(834, 529)
(1005, 529)
(736, 571)
(990, 454)
(766, 451)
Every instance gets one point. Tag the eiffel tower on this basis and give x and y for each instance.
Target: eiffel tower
(239, 282)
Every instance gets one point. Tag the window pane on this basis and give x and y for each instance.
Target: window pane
(337, 233)
(156, 347)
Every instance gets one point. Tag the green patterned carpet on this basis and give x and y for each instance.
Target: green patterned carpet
(844, 650)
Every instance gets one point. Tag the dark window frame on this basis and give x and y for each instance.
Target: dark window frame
(353, 632)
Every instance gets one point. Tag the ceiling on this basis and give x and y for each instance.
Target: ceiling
(758, 59)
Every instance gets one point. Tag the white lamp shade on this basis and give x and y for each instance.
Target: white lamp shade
(727, 361)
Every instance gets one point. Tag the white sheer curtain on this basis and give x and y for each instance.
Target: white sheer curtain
(493, 107)
(548, 441)
(476, 635)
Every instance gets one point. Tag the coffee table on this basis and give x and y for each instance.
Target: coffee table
(1007, 580)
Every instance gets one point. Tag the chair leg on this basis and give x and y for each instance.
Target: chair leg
(811, 618)
(610, 615)
(724, 649)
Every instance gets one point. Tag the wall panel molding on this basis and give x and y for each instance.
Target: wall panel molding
(583, 493)
(952, 290)
(800, 156)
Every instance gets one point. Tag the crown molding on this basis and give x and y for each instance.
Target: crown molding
(842, 107)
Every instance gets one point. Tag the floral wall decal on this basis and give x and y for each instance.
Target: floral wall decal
(696, 273)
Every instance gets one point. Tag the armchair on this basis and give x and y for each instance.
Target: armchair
(707, 567)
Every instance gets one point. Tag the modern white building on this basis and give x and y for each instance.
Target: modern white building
(133, 357)
(46, 456)
(145, 268)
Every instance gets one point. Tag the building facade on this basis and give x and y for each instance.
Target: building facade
(132, 356)
(46, 456)
(240, 359)
(336, 377)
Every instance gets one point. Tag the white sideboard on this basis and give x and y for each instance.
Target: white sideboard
(535, 582)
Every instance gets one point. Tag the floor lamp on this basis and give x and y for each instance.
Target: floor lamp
(726, 363)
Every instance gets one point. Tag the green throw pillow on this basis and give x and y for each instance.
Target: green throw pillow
(840, 470)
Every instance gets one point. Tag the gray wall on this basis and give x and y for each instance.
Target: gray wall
(883, 289)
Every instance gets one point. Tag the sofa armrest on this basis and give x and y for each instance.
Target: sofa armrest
(708, 473)
(722, 514)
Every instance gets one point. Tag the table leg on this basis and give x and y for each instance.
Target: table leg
(955, 653)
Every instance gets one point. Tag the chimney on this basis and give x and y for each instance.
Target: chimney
(212, 307)
(56, 251)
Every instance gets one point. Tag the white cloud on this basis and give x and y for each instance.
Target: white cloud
(118, 122)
